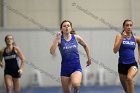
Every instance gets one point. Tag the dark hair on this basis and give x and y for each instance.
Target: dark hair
(72, 31)
(125, 23)
(14, 44)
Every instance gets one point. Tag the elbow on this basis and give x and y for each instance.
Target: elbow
(115, 51)
(52, 52)
(85, 46)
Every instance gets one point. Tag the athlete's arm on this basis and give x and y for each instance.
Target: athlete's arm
(56, 41)
(1, 53)
(22, 58)
(82, 42)
(118, 42)
(138, 42)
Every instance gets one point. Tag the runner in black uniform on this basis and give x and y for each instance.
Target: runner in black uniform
(12, 71)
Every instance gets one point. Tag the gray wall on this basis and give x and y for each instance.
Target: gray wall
(35, 45)
(50, 12)
(1, 13)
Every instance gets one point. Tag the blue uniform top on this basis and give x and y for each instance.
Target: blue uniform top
(69, 51)
(126, 51)
(11, 60)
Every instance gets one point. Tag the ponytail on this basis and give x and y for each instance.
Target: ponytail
(73, 31)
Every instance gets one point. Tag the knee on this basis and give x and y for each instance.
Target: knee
(9, 87)
(129, 78)
(76, 85)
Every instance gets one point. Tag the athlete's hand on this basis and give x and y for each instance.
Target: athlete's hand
(124, 34)
(89, 62)
(1, 64)
(58, 35)
(20, 71)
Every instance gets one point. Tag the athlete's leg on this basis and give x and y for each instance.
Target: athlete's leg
(123, 80)
(130, 83)
(76, 80)
(66, 84)
(16, 84)
(8, 83)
